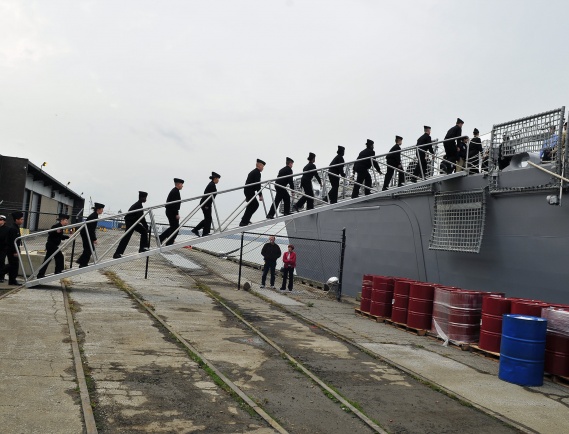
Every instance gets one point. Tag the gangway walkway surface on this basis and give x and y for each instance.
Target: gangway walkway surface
(33, 243)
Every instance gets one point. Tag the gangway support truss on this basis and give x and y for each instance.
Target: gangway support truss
(35, 242)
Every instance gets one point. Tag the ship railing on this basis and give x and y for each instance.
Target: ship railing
(410, 170)
(108, 235)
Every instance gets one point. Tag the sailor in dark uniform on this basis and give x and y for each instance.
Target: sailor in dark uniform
(393, 159)
(54, 239)
(452, 146)
(474, 152)
(282, 193)
(250, 191)
(173, 212)
(3, 246)
(13, 234)
(306, 183)
(362, 169)
(205, 224)
(338, 170)
(423, 146)
(141, 227)
(90, 240)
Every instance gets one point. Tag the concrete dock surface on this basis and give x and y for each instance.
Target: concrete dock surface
(143, 382)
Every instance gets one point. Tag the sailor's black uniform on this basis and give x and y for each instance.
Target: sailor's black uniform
(250, 193)
(306, 184)
(362, 169)
(282, 194)
(54, 239)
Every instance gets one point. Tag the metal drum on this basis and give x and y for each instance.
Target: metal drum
(491, 323)
(528, 307)
(420, 308)
(365, 303)
(557, 354)
(400, 300)
(557, 341)
(381, 298)
(522, 350)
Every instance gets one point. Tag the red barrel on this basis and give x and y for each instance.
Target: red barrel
(496, 305)
(366, 292)
(490, 341)
(441, 308)
(493, 307)
(420, 308)
(378, 295)
(528, 307)
(380, 309)
(381, 297)
(557, 353)
(365, 305)
(464, 315)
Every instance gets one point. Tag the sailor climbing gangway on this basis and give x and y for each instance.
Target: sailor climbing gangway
(31, 260)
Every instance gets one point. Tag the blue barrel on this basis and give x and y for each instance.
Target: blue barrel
(522, 350)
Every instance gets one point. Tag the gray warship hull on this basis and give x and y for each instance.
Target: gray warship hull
(523, 240)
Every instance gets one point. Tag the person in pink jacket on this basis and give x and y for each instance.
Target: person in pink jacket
(289, 261)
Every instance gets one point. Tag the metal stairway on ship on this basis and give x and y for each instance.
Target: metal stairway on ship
(34, 242)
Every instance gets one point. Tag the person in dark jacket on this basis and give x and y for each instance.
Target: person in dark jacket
(270, 252)
(362, 169)
(141, 227)
(423, 146)
(452, 145)
(393, 160)
(282, 194)
(474, 152)
(13, 247)
(89, 235)
(207, 205)
(338, 170)
(289, 264)
(54, 239)
(3, 246)
(309, 172)
(173, 212)
(251, 191)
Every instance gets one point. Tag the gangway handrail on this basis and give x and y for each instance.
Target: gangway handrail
(224, 226)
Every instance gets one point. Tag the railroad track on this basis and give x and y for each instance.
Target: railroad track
(280, 373)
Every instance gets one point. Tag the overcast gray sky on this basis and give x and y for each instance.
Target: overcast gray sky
(124, 95)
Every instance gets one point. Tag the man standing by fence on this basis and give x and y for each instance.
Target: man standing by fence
(270, 252)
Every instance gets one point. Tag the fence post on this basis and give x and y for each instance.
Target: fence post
(240, 261)
(342, 253)
(149, 237)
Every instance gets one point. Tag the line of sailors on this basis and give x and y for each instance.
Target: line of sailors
(455, 153)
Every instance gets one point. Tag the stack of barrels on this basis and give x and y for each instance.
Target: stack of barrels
(365, 303)
(381, 296)
(457, 313)
(475, 316)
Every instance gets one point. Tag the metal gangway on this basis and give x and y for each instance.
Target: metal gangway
(102, 257)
